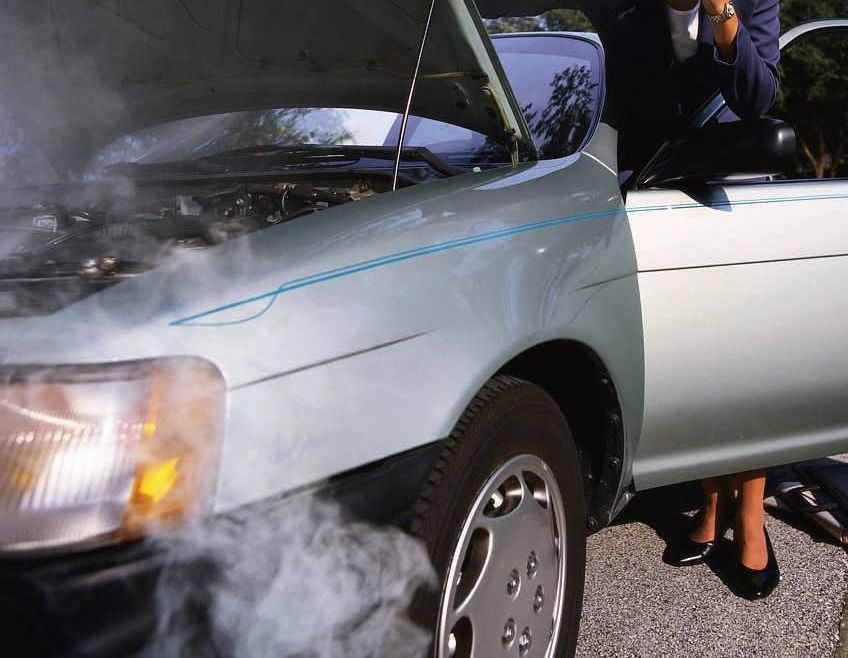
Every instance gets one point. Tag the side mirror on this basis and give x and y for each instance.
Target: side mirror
(747, 148)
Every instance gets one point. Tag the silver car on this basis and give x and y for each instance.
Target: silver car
(357, 249)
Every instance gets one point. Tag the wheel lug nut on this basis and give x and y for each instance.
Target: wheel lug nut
(508, 632)
(513, 583)
(524, 641)
(532, 565)
(538, 600)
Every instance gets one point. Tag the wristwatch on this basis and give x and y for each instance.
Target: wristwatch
(728, 13)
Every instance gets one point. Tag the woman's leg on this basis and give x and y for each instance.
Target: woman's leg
(718, 493)
(750, 519)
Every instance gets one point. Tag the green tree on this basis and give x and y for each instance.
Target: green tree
(813, 94)
(793, 12)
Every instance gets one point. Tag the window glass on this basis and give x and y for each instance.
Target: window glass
(454, 144)
(556, 80)
(202, 136)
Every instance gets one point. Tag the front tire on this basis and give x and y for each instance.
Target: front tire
(503, 518)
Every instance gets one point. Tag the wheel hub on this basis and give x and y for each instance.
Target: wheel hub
(505, 583)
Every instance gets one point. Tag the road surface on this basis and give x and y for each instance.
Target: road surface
(636, 605)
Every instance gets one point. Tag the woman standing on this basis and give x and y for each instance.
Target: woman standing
(673, 55)
(750, 90)
(738, 500)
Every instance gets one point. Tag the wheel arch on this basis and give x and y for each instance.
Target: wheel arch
(575, 376)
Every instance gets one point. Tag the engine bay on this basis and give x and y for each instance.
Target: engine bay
(57, 251)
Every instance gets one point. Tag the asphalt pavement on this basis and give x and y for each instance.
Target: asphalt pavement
(636, 605)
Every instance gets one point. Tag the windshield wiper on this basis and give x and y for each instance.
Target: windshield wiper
(305, 153)
(261, 158)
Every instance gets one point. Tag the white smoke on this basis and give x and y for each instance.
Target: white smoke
(297, 580)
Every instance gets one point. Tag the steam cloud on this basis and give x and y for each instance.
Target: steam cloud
(298, 581)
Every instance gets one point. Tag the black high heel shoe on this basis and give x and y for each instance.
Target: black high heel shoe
(755, 584)
(687, 553)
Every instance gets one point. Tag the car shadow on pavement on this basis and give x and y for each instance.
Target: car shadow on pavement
(667, 510)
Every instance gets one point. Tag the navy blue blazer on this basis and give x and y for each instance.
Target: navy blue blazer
(651, 92)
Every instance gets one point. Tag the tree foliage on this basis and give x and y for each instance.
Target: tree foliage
(564, 123)
(813, 94)
(560, 127)
(793, 12)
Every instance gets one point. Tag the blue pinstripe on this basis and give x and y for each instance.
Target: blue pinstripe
(439, 247)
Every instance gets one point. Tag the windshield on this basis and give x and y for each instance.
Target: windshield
(199, 137)
(294, 138)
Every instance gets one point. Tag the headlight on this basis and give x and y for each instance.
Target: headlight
(107, 451)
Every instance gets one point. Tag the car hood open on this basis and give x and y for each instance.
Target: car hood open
(78, 73)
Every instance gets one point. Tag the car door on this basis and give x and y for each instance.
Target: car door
(744, 290)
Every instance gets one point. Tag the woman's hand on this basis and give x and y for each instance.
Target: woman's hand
(724, 34)
(714, 6)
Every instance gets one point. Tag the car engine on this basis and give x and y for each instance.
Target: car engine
(54, 253)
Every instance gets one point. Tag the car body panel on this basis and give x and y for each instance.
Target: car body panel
(365, 331)
(738, 224)
(743, 322)
(368, 330)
